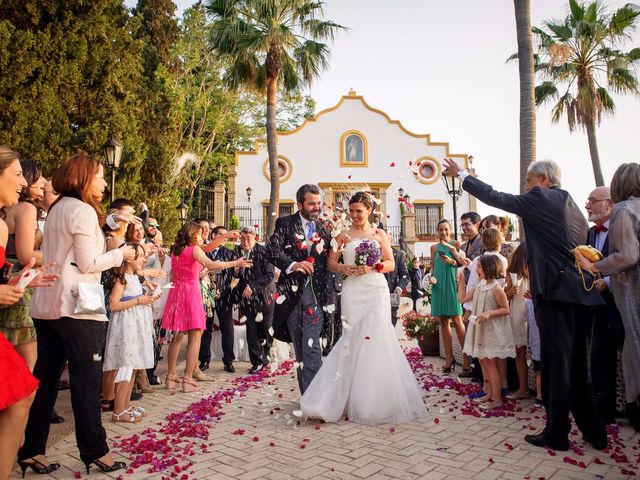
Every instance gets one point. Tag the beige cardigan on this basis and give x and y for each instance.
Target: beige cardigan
(73, 239)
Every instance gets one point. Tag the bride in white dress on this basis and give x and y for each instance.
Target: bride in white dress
(366, 376)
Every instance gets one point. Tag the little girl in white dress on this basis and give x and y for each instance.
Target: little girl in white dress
(489, 336)
(129, 344)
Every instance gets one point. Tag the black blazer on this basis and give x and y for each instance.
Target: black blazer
(399, 276)
(553, 226)
(223, 277)
(260, 278)
(283, 249)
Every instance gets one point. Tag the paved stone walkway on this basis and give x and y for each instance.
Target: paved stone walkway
(243, 427)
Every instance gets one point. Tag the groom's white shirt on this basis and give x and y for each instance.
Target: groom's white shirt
(305, 227)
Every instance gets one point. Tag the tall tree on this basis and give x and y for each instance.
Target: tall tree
(68, 77)
(158, 116)
(581, 55)
(527, 89)
(271, 43)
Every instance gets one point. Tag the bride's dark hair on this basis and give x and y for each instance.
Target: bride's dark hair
(362, 197)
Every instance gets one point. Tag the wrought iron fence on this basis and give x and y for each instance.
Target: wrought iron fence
(394, 232)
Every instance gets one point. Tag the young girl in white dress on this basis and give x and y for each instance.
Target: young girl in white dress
(129, 344)
(516, 287)
(366, 375)
(489, 335)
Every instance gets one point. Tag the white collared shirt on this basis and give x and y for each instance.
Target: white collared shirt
(601, 237)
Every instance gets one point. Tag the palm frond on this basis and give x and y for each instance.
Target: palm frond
(607, 102)
(591, 13)
(317, 29)
(622, 80)
(545, 92)
(562, 32)
(312, 58)
(565, 102)
(577, 10)
(634, 55)
(624, 18)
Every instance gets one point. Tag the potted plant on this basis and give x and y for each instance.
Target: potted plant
(424, 328)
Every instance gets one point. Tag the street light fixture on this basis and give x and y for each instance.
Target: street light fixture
(249, 190)
(112, 151)
(182, 212)
(454, 189)
(401, 192)
(220, 170)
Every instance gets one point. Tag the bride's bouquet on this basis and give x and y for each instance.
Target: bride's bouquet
(368, 253)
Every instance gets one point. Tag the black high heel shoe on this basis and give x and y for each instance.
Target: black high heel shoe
(104, 467)
(37, 467)
(451, 366)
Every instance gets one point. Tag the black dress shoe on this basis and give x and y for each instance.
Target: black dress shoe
(229, 368)
(599, 442)
(55, 418)
(204, 366)
(255, 369)
(540, 441)
(154, 380)
(135, 396)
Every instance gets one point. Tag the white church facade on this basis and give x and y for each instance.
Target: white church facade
(348, 147)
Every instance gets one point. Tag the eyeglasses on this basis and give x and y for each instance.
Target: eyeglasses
(591, 201)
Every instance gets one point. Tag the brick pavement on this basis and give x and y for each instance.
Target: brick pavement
(258, 437)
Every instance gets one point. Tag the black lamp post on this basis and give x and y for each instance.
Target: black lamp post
(220, 170)
(112, 150)
(249, 191)
(454, 189)
(182, 212)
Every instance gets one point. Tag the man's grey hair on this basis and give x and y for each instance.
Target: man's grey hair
(548, 168)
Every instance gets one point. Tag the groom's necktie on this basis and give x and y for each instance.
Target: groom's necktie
(311, 229)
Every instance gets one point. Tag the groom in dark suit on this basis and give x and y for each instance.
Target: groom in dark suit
(298, 247)
(553, 226)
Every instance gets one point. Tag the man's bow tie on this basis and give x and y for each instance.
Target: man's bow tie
(599, 228)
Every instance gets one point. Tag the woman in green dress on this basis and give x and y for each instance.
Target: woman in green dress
(444, 300)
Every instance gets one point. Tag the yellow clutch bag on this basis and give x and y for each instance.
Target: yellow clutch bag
(593, 255)
(590, 253)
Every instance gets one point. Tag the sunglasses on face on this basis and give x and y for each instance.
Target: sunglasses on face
(152, 224)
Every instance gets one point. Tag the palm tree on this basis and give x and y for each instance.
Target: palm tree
(527, 89)
(271, 44)
(581, 54)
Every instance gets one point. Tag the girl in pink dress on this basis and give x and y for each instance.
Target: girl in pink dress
(184, 311)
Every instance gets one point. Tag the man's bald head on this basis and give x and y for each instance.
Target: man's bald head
(599, 205)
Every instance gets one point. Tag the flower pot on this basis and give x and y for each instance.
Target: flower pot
(429, 344)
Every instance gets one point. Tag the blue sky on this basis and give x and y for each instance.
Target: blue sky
(439, 67)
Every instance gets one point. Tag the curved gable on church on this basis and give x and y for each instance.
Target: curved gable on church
(343, 149)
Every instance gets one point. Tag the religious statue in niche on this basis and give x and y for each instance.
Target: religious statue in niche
(354, 148)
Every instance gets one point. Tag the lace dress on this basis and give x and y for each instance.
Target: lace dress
(130, 334)
(366, 376)
(494, 337)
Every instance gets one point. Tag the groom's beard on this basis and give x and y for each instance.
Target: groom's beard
(312, 215)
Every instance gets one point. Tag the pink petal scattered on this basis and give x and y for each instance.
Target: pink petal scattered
(392, 429)
(77, 475)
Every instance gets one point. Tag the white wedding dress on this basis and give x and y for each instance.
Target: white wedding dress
(366, 376)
